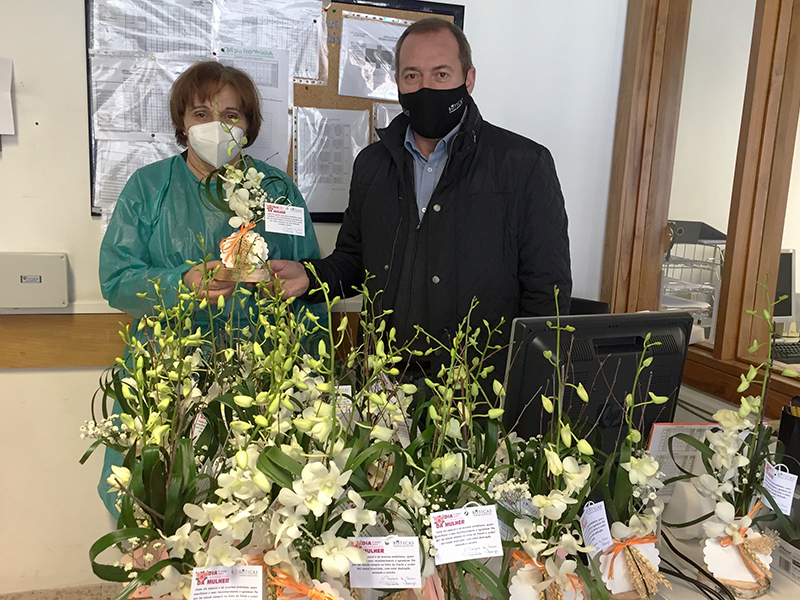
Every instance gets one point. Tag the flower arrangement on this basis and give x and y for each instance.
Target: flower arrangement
(629, 482)
(243, 445)
(541, 489)
(242, 191)
(734, 456)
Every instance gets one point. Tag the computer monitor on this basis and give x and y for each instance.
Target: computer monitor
(602, 353)
(784, 312)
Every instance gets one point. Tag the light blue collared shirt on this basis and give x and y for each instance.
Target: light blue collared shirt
(428, 171)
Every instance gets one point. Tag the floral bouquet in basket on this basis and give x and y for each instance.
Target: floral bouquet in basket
(742, 476)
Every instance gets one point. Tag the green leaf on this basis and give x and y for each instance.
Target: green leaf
(486, 578)
(279, 467)
(786, 524)
(111, 573)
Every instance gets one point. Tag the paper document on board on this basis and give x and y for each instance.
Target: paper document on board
(327, 142)
(130, 98)
(295, 25)
(151, 26)
(366, 59)
(270, 72)
(382, 114)
(6, 108)
(117, 160)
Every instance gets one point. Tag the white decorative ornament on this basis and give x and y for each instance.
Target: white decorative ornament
(621, 582)
(727, 562)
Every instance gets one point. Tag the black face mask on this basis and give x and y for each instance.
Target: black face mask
(434, 113)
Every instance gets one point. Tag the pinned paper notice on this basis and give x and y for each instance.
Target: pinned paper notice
(6, 110)
(466, 533)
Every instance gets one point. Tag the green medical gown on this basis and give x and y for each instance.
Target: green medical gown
(154, 231)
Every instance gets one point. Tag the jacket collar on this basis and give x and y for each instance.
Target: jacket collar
(393, 136)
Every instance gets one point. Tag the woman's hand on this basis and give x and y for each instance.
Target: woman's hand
(213, 289)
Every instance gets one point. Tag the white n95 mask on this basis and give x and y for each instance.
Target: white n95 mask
(210, 142)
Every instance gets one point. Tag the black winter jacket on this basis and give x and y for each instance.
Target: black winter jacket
(495, 229)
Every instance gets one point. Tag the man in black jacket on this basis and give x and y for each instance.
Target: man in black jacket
(447, 207)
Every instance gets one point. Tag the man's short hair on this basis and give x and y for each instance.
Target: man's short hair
(430, 25)
(204, 79)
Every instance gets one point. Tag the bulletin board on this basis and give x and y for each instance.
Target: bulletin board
(309, 95)
(315, 122)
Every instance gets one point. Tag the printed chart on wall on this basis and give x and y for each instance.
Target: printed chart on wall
(366, 60)
(326, 144)
(138, 48)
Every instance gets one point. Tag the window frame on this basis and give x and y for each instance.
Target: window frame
(644, 148)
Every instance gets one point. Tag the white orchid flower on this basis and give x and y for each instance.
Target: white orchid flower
(183, 540)
(216, 514)
(725, 523)
(749, 404)
(708, 485)
(287, 524)
(557, 573)
(554, 504)
(120, 476)
(317, 421)
(340, 453)
(554, 464)
(448, 466)
(221, 552)
(337, 554)
(730, 419)
(570, 544)
(575, 474)
(358, 516)
(286, 558)
(410, 494)
(379, 432)
(641, 470)
(171, 584)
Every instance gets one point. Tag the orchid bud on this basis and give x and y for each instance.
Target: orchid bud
(241, 459)
(261, 481)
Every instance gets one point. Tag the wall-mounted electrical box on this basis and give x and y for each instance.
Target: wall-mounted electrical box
(33, 280)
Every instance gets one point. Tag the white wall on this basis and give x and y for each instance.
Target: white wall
(547, 70)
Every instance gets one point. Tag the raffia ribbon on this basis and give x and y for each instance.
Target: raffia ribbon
(750, 548)
(283, 581)
(237, 245)
(643, 575)
(552, 591)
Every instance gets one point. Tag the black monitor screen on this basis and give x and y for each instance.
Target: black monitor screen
(602, 353)
(785, 286)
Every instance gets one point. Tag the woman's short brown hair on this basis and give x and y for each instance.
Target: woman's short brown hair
(204, 79)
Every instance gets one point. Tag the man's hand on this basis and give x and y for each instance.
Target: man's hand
(291, 275)
(193, 278)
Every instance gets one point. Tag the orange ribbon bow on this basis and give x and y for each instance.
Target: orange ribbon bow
(618, 546)
(235, 241)
(283, 581)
